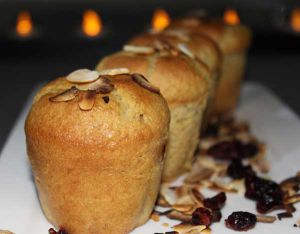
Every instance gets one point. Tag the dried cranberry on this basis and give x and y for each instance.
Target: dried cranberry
(202, 216)
(226, 150)
(267, 193)
(60, 231)
(250, 150)
(211, 130)
(241, 221)
(216, 202)
(237, 170)
(216, 216)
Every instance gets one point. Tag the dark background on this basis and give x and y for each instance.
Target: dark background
(59, 48)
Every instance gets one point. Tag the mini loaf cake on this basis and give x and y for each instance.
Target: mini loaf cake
(183, 82)
(96, 142)
(234, 41)
(199, 46)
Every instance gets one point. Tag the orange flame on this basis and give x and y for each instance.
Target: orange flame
(24, 25)
(295, 20)
(160, 20)
(231, 17)
(91, 23)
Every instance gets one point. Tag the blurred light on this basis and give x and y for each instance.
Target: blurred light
(160, 20)
(91, 23)
(295, 20)
(231, 17)
(24, 26)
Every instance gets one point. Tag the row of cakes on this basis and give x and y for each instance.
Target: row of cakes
(101, 141)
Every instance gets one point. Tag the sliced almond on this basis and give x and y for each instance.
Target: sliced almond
(114, 71)
(180, 34)
(87, 100)
(196, 176)
(103, 85)
(5, 232)
(174, 214)
(155, 216)
(65, 96)
(186, 227)
(82, 76)
(206, 231)
(198, 197)
(162, 202)
(292, 199)
(142, 81)
(265, 219)
(139, 49)
(185, 50)
(187, 209)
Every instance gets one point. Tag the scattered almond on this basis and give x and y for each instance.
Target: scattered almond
(174, 214)
(142, 81)
(114, 71)
(5, 232)
(87, 100)
(139, 49)
(185, 50)
(103, 85)
(292, 199)
(265, 219)
(155, 216)
(82, 76)
(67, 95)
(186, 227)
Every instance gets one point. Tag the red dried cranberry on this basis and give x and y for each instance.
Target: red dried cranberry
(216, 216)
(237, 170)
(216, 202)
(267, 193)
(202, 216)
(250, 150)
(227, 150)
(52, 231)
(241, 221)
(235, 149)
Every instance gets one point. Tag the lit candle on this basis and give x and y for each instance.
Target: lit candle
(160, 20)
(231, 17)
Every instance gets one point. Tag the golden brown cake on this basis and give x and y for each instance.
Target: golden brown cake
(97, 150)
(183, 82)
(234, 41)
(204, 50)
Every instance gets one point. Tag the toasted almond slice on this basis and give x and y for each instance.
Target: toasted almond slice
(198, 197)
(5, 232)
(155, 216)
(185, 50)
(196, 176)
(168, 194)
(82, 76)
(65, 96)
(103, 85)
(139, 49)
(292, 199)
(265, 219)
(174, 214)
(206, 231)
(142, 81)
(87, 100)
(180, 34)
(162, 202)
(186, 227)
(114, 71)
(184, 208)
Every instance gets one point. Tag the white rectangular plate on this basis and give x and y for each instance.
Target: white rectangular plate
(271, 120)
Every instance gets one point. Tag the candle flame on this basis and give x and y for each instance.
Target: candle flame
(91, 23)
(24, 26)
(160, 20)
(231, 17)
(295, 20)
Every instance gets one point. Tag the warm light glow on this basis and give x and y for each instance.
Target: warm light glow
(24, 25)
(91, 23)
(231, 17)
(295, 20)
(160, 20)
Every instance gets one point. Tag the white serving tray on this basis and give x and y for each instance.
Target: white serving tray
(271, 120)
